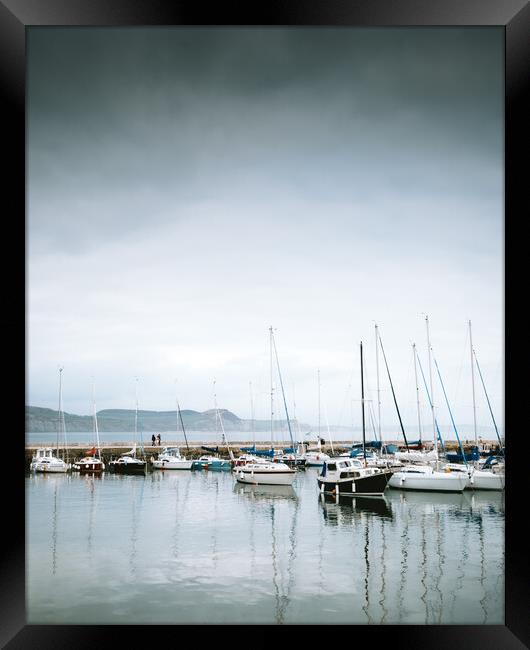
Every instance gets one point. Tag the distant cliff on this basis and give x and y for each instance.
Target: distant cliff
(43, 420)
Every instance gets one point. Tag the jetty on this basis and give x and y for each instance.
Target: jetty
(110, 450)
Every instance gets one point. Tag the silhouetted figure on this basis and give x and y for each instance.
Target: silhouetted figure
(153, 439)
(158, 437)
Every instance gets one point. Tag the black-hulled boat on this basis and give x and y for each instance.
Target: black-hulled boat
(348, 476)
(128, 465)
(351, 476)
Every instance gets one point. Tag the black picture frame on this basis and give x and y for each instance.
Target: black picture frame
(15, 17)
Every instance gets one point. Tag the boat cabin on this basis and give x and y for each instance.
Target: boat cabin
(42, 453)
(342, 468)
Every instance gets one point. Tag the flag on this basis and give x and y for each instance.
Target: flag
(91, 452)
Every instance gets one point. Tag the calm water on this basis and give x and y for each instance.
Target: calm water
(196, 547)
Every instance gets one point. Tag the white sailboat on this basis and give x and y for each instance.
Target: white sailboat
(426, 477)
(315, 457)
(90, 464)
(170, 457)
(249, 455)
(268, 473)
(43, 460)
(479, 479)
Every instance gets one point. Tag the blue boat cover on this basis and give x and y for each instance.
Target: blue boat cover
(371, 444)
(457, 457)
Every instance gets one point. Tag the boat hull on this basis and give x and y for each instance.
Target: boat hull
(371, 485)
(486, 481)
(257, 477)
(434, 482)
(90, 470)
(172, 464)
(51, 469)
(128, 469)
(212, 465)
(89, 466)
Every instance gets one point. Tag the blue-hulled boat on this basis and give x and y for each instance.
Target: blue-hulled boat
(211, 462)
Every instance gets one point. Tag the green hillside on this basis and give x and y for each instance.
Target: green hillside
(44, 420)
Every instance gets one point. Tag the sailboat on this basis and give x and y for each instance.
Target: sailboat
(269, 473)
(351, 476)
(415, 452)
(43, 460)
(210, 461)
(250, 454)
(315, 457)
(479, 479)
(169, 457)
(90, 464)
(128, 463)
(426, 477)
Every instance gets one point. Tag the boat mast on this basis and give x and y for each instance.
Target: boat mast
(327, 427)
(318, 381)
(473, 385)
(362, 405)
(181, 422)
(252, 415)
(450, 412)
(135, 414)
(429, 398)
(393, 394)
(417, 389)
(434, 441)
(283, 393)
(62, 420)
(294, 416)
(96, 430)
(378, 389)
(272, 390)
(223, 434)
(488, 400)
(59, 419)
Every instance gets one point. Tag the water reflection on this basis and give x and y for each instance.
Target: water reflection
(266, 492)
(136, 510)
(54, 531)
(428, 501)
(274, 498)
(282, 586)
(257, 553)
(343, 511)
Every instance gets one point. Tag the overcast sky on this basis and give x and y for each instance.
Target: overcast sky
(188, 188)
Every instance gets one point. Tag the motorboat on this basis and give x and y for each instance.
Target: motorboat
(350, 476)
(265, 473)
(44, 461)
(426, 478)
(170, 458)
